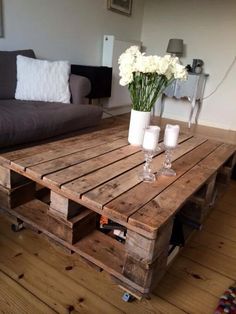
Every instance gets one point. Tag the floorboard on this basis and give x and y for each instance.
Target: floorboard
(15, 299)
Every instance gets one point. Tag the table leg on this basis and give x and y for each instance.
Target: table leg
(193, 104)
(198, 110)
(14, 189)
(146, 259)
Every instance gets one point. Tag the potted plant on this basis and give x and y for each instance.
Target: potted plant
(146, 77)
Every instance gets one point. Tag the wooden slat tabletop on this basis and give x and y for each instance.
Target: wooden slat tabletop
(100, 170)
(151, 216)
(129, 166)
(122, 184)
(128, 203)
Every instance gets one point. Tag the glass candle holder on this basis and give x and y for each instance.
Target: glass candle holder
(147, 175)
(150, 147)
(167, 170)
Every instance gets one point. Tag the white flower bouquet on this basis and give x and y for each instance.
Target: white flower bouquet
(147, 76)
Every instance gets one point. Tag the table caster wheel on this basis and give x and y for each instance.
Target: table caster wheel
(127, 297)
(17, 227)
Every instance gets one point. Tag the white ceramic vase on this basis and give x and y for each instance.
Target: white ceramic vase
(139, 120)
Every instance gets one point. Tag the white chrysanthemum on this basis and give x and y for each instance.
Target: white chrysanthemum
(126, 77)
(147, 64)
(164, 64)
(133, 50)
(127, 64)
(137, 70)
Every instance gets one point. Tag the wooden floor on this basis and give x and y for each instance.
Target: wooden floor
(36, 276)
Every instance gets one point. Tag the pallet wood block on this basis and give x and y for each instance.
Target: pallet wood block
(224, 173)
(11, 179)
(146, 259)
(75, 228)
(10, 198)
(147, 250)
(81, 225)
(63, 207)
(200, 203)
(43, 194)
(146, 275)
(15, 189)
(71, 231)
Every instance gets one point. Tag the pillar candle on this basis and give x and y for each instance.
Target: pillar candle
(171, 135)
(151, 137)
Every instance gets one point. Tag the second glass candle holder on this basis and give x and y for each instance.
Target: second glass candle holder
(170, 143)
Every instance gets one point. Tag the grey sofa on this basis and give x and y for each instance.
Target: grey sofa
(29, 121)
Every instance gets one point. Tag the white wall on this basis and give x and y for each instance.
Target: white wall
(74, 29)
(209, 31)
(66, 29)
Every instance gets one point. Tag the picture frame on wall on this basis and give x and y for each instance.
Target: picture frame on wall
(1, 20)
(120, 6)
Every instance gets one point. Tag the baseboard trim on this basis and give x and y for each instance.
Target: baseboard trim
(201, 122)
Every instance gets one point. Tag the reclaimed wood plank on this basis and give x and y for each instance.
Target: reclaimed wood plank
(108, 191)
(153, 214)
(59, 150)
(128, 203)
(222, 154)
(84, 184)
(60, 163)
(71, 173)
(50, 144)
(92, 180)
(35, 214)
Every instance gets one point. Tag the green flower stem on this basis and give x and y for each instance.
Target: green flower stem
(146, 88)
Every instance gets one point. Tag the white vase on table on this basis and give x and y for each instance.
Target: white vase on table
(139, 120)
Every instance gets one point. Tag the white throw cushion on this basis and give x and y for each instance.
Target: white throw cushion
(42, 80)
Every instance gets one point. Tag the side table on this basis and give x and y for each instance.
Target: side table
(192, 89)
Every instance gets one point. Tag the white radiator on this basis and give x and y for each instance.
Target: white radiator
(112, 49)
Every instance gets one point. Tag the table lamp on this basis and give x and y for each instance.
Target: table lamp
(175, 46)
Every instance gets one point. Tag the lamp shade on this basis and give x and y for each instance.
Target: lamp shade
(175, 46)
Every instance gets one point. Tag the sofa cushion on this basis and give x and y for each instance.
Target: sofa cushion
(42, 80)
(8, 71)
(26, 121)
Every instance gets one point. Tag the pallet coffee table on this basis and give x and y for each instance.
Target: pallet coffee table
(96, 173)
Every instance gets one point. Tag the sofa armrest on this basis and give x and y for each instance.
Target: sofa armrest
(80, 87)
